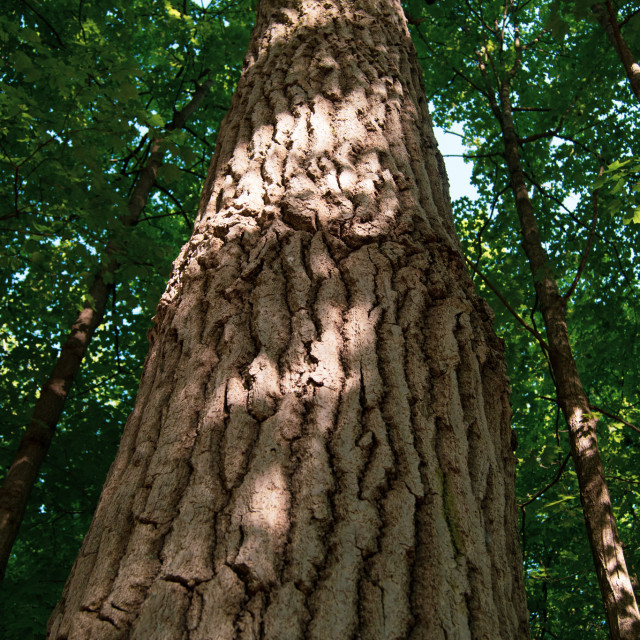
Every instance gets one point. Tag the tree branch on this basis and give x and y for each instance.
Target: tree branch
(585, 255)
(552, 132)
(542, 491)
(51, 28)
(614, 417)
(511, 310)
(597, 409)
(626, 19)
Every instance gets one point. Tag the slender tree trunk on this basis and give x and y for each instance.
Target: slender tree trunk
(613, 578)
(606, 16)
(320, 447)
(33, 447)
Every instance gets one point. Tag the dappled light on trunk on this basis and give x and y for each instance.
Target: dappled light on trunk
(320, 446)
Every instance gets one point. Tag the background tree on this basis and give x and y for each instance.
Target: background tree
(33, 447)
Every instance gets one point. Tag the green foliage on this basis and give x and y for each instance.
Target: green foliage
(621, 182)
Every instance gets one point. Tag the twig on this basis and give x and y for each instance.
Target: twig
(511, 310)
(530, 109)
(585, 255)
(55, 33)
(542, 491)
(537, 495)
(621, 479)
(454, 69)
(597, 409)
(627, 18)
(552, 132)
(614, 417)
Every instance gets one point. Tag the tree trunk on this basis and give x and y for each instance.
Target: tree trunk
(606, 16)
(320, 447)
(47, 411)
(608, 554)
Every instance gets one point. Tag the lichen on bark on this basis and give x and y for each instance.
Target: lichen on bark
(320, 447)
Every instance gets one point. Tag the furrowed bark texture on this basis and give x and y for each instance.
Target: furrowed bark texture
(320, 447)
(47, 411)
(606, 547)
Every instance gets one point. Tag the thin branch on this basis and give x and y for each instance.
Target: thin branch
(582, 146)
(530, 109)
(535, 41)
(511, 310)
(538, 136)
(178, 204)
(504, 25)
(627, 18)
(585, 255)
(489, 93)
(552, 132)
(454, 69)
(55, 33)
(97, 385)
(542, 491)
(517, 45)
(470, 155)
(538, 494)
(597, 409)
(454, 133)
(206, 142)
(614, 250)
(171, 214)
(132, 154)
(621, 479)
(494, 202)
(614, 417)
(480, 18)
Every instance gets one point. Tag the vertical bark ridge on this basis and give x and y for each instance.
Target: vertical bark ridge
(321, 445)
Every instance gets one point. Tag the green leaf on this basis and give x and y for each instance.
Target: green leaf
(128, 91)
(155, 120)
(169, 173)
(618, 186)
(22, 62)
(634, 218)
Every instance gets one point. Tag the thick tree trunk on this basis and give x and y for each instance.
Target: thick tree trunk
(320, 447)
(615, 585)
(47, 411)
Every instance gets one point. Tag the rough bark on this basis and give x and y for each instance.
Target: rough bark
(606, 16)
(320, 447)
(47, 411)
(613, 578)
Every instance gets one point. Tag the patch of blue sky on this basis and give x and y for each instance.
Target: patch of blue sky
(459, 171)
